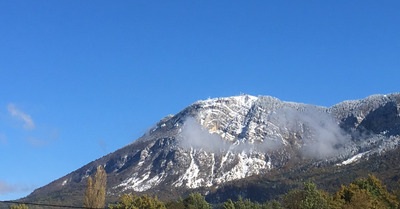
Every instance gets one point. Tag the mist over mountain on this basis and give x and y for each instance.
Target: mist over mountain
(220, 143)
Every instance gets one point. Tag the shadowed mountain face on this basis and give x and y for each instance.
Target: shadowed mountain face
(383, 119)
(217, 142)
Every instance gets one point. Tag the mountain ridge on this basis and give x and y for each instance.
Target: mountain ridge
(216, 141)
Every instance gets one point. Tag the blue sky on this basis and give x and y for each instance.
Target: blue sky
(80, 79)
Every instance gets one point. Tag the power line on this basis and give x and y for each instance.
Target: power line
(46, 205)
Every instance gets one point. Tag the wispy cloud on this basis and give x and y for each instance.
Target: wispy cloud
(194, 136)
(16, 113)
(321, 136)
(6, 188)
(317, 133)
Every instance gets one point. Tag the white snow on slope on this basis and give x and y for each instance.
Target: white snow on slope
(353, 159)
(141, 183)
(191, 175)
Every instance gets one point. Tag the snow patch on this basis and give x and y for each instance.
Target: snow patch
(353, 159)
(64, 182)
(247, 166)
(190, 177)
(143, 155)
(142, 183)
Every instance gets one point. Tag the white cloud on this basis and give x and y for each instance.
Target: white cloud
(29, 124)
(6, 188)
(194, 136)
(320, 133)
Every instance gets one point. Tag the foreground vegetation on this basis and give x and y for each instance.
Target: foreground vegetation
(362, 193)
(273, 185)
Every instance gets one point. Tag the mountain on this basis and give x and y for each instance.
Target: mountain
(256, 147)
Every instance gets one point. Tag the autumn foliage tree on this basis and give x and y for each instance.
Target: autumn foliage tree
(365, 193)
(96, 191)
(20, 206)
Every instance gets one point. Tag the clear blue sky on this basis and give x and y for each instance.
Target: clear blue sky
(80, 79)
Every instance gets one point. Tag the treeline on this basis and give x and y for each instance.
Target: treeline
(363, 193)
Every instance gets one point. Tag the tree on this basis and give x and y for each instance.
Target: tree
(365, 193)
(273, 204)
(177, 204)
(96, 191)
(308, 198)
(127, 201)
(228, 205)
(20, 206)
(313, 199)
(239, 204)
(293, 199)
(196, 201)
(247, 204)
(397, 193)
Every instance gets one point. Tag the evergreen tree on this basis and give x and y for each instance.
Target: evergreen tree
(308, 198)
(293, 199)
(246, 204)
(127, 201)
(239, 204)
(228, 205)
(95, 193)
(196, 201)
(397, 193)
(313, 199)
(175, 204)
(273, 204)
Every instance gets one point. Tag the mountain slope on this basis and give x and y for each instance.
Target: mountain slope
(219, 142)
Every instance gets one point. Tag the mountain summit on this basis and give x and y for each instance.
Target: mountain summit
(216, 142)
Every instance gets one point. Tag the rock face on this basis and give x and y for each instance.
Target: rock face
(216, 141)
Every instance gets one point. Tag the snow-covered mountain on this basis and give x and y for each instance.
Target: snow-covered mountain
(216, 141)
